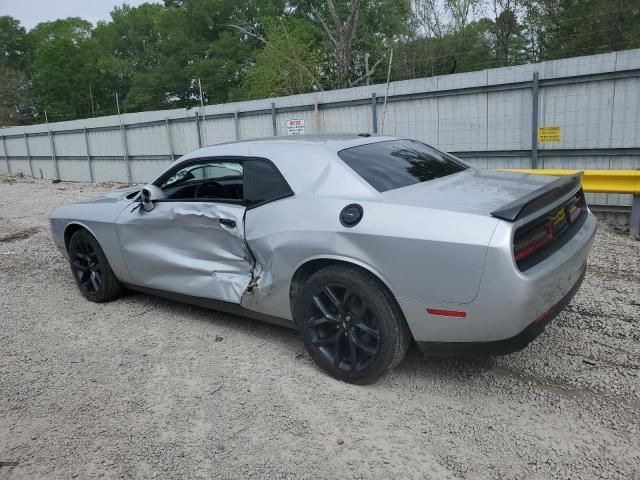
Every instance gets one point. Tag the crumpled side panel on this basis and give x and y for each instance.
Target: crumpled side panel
(182, 247)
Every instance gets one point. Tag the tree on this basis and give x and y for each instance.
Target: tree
(64, 68)
(290, 62)
(507, 33)
(16, 104)
(15, 50)
(340, 28)
(451, 41)
(196, 42)
(565, 28)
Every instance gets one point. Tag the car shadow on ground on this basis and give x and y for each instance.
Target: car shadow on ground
(415, 363)
(148, 303)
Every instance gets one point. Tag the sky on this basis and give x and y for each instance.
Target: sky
(32, 12)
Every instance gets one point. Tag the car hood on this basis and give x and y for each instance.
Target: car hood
(471, 191)
(120, 193)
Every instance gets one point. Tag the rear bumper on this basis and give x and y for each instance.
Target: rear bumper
(506, 346)
(508, 300)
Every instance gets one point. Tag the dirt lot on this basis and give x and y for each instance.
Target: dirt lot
(147, 388)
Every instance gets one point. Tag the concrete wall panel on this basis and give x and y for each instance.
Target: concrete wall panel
(43, 168)
(74, 170)
(144, 171)
(110, 170)
(462, 122)
(39, 146)
(256, 126)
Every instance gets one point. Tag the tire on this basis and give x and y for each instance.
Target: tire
(91, 270)
(344, 309)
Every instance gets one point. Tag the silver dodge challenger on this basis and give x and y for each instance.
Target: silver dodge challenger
(364, 244)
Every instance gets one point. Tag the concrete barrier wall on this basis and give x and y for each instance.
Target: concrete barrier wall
(486, 117)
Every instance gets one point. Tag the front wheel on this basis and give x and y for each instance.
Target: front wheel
(91, 269)
(350, 324)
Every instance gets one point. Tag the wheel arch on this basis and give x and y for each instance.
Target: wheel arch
(310, 266)
(73, 227)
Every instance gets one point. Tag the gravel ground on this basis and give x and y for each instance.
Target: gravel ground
(147, 388)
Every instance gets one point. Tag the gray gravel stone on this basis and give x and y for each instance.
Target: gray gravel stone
(143, 387)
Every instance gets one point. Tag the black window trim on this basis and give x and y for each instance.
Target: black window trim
(222, 159)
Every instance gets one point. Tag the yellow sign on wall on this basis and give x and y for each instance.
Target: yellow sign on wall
(549, 134)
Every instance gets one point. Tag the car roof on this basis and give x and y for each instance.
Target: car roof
(307, 162)
(332, 141)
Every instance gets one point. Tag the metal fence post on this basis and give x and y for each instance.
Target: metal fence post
(125, 150)
(54, 157)
(236, 122)
(26, 144)
(374, 112)
(274, 124)
(6, 155)
(86, 145)
(170, 139)
(534, 121)
(198, 130)
(635, 216)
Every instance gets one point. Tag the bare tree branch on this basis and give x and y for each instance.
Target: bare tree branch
(247, 32)
(370, 72)
(323, 23)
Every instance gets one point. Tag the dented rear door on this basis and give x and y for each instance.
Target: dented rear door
(192, 248)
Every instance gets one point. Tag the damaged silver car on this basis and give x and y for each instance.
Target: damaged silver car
(364, 244)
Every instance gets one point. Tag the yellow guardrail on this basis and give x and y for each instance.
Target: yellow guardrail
(597, 181)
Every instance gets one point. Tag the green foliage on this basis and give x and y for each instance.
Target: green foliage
(289, 63)
(64, 66)
(15, 51)
(16, 99)
(565, 28)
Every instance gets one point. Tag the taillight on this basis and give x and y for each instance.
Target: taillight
(577, 208)
(537, 235)
(533, 239)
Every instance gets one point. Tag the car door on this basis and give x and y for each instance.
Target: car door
(192, 242)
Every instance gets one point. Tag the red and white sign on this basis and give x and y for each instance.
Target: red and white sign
(295, 127)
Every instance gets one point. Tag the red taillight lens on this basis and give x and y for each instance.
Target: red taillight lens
(533, 240)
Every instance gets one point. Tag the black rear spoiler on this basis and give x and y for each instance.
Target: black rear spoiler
(538, 199)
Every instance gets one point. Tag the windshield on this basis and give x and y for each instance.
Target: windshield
(399, 163)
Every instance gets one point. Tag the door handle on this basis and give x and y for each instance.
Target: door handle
(227, 222)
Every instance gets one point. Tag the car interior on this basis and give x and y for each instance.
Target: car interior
(208, 180)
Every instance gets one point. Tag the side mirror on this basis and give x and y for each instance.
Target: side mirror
(150, 194)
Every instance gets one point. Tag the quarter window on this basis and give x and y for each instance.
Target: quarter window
(263, 183)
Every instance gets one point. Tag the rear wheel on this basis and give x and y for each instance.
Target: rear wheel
(91, 269)
(350, 324)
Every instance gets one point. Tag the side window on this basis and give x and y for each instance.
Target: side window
(263, 183)
(206, 180)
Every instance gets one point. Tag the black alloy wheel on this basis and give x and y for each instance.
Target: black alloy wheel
(86, 267)
(343, 328)
(350, 323)
(91, 269)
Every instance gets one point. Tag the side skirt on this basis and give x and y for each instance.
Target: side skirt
(219, 305)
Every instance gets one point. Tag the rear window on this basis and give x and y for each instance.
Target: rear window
(399, 163)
